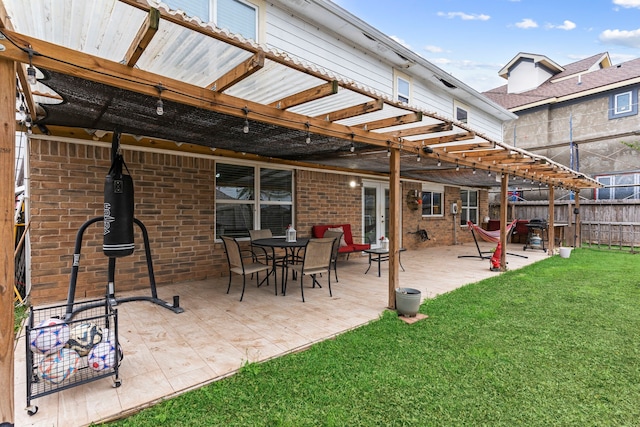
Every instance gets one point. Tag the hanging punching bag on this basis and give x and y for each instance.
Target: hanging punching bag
(118, 211)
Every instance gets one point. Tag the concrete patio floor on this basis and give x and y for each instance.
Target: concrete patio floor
(166, 354)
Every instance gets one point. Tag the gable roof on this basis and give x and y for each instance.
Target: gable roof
(504, 72)
(577, 80)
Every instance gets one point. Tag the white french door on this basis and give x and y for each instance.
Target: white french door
(375, 201)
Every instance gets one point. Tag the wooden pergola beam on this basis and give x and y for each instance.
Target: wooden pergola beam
(356, 110)
(420, 130)
(392, 121)
(142, 39)
(238, 73)
(308, 95)
(448, 138)
(462, 149)
(92, 68)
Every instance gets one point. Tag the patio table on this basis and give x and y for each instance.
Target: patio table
(290, 252)
(380, 255)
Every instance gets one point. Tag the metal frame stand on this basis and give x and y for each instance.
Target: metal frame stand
(70, 312)
(481, 253)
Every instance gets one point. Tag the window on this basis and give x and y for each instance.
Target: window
(469, 208)
(619, 187)
(247, 196)
(237, 16)
(623, 104)
(431, 203)
(402, 88)
(460, 112)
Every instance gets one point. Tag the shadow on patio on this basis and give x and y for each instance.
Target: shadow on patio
(166, 354)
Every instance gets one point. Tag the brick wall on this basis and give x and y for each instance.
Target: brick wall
(441, 229)
(323, 198)
(174, 200)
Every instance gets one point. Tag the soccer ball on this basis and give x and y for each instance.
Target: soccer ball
(49, 336)
(103, 356)
(57, 367)
(83, 337)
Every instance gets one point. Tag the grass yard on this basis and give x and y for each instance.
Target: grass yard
(553, 344)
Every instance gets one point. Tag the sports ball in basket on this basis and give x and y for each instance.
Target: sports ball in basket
(49, 336)
(83, 337)
(59, 366)
(103, 356)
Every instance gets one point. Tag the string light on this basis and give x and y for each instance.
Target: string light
(439, 162)
(352, 147)
(245, 128)
(474, 169)
(31, 71)
(457, 166)
(308, 140)
(159, 103)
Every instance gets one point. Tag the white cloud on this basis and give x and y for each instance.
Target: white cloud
(401, 41)
(440, 61)
(621, 37)
(527, 23)
(433, 49)
(617, 58)
(627, 3)
(566, 25)
(465, 16)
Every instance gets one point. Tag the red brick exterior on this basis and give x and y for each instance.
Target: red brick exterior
(174, 199)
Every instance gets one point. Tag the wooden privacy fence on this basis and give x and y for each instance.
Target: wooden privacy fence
(618, 235)
(604, 223)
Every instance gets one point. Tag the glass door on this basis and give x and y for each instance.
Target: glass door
(376, 211)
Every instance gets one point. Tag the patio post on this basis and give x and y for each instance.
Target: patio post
(577, 241)
(551, 235)
(7, 223)
(504, 208)
(394, 226)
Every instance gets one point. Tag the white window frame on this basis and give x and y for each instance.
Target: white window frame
(256, 202)
(622, 108)
(431, 190)
(628, 108)
(610, 182)
(400, 96)
(460, 106)
(465, 207)
(259, 7)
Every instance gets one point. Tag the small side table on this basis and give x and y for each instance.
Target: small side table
(380, 255)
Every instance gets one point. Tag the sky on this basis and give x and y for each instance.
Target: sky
(474, 39)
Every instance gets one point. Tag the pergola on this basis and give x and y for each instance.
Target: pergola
(97, 79)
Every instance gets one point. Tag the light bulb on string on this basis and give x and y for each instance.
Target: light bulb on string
(31, 71)
(245, 127)
(159, 103)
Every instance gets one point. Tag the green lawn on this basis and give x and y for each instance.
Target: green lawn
(554, 344)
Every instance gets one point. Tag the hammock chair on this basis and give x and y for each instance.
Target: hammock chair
(488, 236)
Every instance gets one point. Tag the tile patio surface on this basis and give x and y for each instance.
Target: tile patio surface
(166, 354)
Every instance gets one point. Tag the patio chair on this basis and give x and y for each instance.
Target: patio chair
(316, 260)
(336, 235)
(238, 265)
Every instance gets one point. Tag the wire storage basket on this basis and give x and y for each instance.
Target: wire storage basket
(64, 352)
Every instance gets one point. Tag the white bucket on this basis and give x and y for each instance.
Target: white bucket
(565, 252)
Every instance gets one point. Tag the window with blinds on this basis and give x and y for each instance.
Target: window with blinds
(236, 16)
(249, 197)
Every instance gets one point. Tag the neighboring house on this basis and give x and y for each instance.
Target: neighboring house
(203, 168)
(583, 114)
